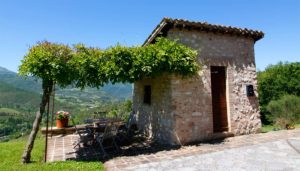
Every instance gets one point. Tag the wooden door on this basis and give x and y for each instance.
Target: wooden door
(219, 104)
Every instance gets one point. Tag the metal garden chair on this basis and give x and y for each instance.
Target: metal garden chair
(110, 133)
(86, 136)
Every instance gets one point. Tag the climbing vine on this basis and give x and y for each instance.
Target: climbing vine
(88, 66)
(95, 67)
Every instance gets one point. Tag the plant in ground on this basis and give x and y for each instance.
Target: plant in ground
(49, 62)
(285, 112)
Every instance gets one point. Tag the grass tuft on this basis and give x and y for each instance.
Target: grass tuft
(11, 152)
(268, 128)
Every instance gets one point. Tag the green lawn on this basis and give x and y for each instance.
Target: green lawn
(10, 157)
(268, 128)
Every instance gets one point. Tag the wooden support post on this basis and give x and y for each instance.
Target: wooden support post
(47, 120)
(53, 98)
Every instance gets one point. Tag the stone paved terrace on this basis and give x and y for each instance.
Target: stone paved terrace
(281, 147)
(188, 157)
(60, 148)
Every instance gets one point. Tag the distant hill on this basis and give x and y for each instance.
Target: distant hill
(106, 93)
(20, 99)
(17, 109)
(17, 98)
(10, 77)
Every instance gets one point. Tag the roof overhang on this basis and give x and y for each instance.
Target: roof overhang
(168, 23)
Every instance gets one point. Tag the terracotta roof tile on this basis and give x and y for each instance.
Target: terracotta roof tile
(167, 23)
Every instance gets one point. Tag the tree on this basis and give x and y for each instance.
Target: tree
(87, 66)
(276, 81)
(50, 62)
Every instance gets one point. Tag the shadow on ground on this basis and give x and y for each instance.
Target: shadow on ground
(137, 145)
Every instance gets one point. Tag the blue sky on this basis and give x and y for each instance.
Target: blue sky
(129, 22)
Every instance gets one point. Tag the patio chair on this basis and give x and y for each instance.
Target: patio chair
(130, 128)
(110, 133)
(86, 136)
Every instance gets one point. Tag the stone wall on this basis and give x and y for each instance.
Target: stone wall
(154, 119)
(190, 108)
(183, 106)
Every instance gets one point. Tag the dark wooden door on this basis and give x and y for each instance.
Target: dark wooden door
(219, 105)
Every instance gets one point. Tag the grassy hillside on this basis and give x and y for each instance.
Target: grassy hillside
(10, 157)
(13, 97)
(19, 101)
(12, 78)
(5, 111)
(108, 92)
(17, 109)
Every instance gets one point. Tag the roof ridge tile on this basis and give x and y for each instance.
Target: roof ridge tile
(205, 26)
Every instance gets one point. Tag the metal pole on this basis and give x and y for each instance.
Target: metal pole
(47, 120)
(53, 97)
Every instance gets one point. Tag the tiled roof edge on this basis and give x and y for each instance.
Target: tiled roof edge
(202, 26)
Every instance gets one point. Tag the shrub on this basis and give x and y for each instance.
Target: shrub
(276, 81)
(285, 111)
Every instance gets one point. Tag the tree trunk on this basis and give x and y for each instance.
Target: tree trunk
(47, 88)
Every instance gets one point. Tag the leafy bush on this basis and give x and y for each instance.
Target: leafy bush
(276, 81)
(285, 111)
(115, 109)
(120, 110)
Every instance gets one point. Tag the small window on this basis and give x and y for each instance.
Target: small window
(147, 94)
(250, 90)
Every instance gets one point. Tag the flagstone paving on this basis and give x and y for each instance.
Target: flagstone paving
(60, 148)
(278, 150)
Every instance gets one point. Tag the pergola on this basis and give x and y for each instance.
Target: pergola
(81, 66)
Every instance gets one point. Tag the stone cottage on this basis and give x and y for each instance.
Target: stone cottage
(220, 100)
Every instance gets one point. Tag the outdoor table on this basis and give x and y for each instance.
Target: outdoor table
(103, 122)
(99, 125)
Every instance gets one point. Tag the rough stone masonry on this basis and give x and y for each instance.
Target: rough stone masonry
(181, 110)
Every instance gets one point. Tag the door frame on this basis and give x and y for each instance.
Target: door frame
(226, 98)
